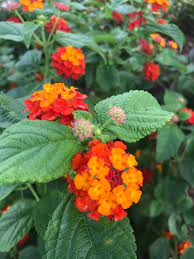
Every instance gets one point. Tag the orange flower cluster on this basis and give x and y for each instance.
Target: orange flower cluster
(69, 62)
(55, 101)
(151, 71)
(168, 235)
(107, 181)
(163, 42)
(59, 24)
(30, 5)
(158, 4)
(183, 246)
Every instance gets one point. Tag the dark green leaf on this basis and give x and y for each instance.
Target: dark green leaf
(30, 252)
(44, 210)
(169, 140)
(36, 151)
(72, 234)
(15, 223)
(5, 190)
(160, 249)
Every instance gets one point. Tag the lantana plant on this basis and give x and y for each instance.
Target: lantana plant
(69, 175)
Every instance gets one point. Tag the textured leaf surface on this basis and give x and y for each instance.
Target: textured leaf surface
(72, 234)
(11, 111)
(44, 210)
(15, 223)
(188, 254)
(168, 142)
(5, 190)
(143, 115)
(35, 151)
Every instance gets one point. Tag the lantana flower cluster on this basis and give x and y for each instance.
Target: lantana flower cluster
(163, 42)
(158, 4)
(55, 101)
(69, 62)
(151, 71)
(57, 24)
(136, 20)
(183, 246)
(30, 5)
(106, 180)
(190, 120)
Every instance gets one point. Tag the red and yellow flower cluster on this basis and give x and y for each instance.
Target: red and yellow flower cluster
(57, 24)
(158, 4)
(107, 181)
(69, 62)
(30, 5)
(163, 42)
(55, 101)
(183, 246)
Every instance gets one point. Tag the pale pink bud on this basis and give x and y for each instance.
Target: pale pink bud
(117, 114)
(175, 118)
(82, 129)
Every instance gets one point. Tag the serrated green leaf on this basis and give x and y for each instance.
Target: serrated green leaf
(82, 115)
(36, 151)
(169, 140)
(15, 223)
(44, 210)
(5, 190)
(143, 115)
(72, 234)
(170, 30)
(11, 111)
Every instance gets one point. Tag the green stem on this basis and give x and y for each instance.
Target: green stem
(53, 30)
(46, 53)
(33, 192)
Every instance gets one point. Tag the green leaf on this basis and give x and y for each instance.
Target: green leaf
(106, 74)
(17, 31)
(30, 252)
(36, 151)
(76, 40)
(170, 30)
(169, 140)
(143, 115)
(125, 9)
(5, 190)
(30, 58)
(11, 111)
(44, 210)
(188, 254)
(173, 101)
(11, 31)
(72, 234)
(15, 223)
(29, 29)
(160, 248)
(82, 115)
(187, 164)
